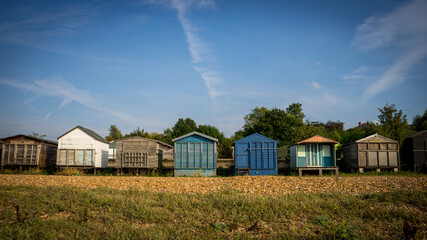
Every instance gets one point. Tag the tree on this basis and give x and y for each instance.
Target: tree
(285, 126)
(295, 109)
(115, 133)
(211, 131)
(36, 135)
(356, 133)
(183, 126)
(420, 122)
(138, 132)
(167, 136)
(224, 144)
(393, 123)
(253, 117)
(332, 126)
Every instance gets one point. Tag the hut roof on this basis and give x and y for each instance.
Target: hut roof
(255, 136)
(89, 132)
(149, 139)
(195, 133)
(377, 138)
(29, 137)
(418, 133)
(317, 139)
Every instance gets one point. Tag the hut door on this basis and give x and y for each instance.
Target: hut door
(242, 155)
(314, 155)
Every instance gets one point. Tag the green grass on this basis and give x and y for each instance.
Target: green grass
(61, 212)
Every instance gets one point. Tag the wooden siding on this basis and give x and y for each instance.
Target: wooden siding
(138, 152)
(195, 155)
(373, 152)
(256, 153)
(316, 155)
(25, 151)
(77, 141)
(415, 152)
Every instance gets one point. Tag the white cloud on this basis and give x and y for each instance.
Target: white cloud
(315, 85)
(58, 87)
(200, 51)
(405, 30)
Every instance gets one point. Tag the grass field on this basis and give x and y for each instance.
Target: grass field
(29, 212)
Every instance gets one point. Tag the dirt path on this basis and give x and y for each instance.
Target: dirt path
(264, 185)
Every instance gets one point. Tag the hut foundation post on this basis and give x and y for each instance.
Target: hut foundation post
(20, 168)
(300, 172)
(94, 171)
(361, 170)
(320, 172)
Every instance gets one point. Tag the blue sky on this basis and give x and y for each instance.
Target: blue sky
(147, 63)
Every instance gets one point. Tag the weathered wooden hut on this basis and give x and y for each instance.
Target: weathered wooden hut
(82, 148)
(140, 152)
(414, 152)
(255, 155)
(26, 151)
(315, 153)
(195, 155)
(372, 152)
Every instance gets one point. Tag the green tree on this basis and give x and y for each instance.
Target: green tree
(211, 131)
(285, 126)
(138, 132)
(115, 133)
(167, 136)
(295, 109)
(224, 144)
(420, 122)
(183, 126)
(393, 123)
(253, 117)
(356, 133)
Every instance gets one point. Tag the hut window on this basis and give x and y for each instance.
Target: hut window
(326, 150)
(301, 150)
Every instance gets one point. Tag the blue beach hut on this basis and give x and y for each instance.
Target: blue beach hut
(195, 155)
(255, 155)
(315, 153)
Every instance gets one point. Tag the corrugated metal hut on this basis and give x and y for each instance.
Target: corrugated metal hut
(414, 152)
(315, 153)
(372, 152)
(255, 155)
(26, 151)
(112, 154)
(82, 148)
(195, 155)
(140, 152)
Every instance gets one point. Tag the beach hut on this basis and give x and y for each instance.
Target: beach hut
(255, 155)
(315, 153)
(26, 151)
(195, 155)
(82, 148)
(372, 152)
(414, 152)
(139, 152)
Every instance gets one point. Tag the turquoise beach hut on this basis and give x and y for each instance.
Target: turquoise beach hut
(195, 155)
(315, 153)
